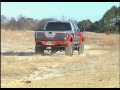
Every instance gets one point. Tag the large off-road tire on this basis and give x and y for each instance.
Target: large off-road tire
(39, 49)
(69, 50)
(81, 49)
(53, 50)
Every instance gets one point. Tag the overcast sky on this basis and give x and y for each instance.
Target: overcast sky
(71, 10)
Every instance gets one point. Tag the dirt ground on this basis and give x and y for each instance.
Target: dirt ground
(97, 67)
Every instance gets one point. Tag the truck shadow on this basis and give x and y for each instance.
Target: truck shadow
(17, 53)
(11, 53)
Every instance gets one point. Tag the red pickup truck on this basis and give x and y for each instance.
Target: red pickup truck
(59, 35)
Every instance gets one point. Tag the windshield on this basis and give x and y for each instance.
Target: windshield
(58, 26)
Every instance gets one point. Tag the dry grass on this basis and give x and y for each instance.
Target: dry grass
(97, 67)
(86, 72)
(104, 40)
(17, 40)
(100, 36)
(111, 41)
(14, 68)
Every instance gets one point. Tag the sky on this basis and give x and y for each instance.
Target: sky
(69, 10)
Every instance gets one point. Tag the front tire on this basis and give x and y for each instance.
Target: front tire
(39, 49)
(69, 50)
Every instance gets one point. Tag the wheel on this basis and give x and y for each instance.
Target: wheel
(81, 49)
(39, 49)
(53, 50)
(69, 50)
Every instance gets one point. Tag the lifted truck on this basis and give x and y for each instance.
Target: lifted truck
(59, 35)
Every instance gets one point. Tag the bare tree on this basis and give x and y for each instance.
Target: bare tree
(4, 21)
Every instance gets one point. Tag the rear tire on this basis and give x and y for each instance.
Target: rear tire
(53, 50)
(81, 49)
(69, 50)
(39, 49)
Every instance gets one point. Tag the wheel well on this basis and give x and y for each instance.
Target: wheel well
(82, 40)
(71, 40)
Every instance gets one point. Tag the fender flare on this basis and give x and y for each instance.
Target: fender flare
(70, 39)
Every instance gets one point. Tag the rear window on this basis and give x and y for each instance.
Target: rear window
(58, 26)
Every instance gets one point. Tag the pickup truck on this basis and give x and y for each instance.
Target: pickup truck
(59, 36)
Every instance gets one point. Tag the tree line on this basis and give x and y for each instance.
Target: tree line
(22, 23)
(109, 23)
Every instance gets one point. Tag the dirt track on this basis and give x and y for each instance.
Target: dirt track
(97, 67)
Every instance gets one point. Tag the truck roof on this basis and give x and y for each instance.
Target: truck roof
(60, 21)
